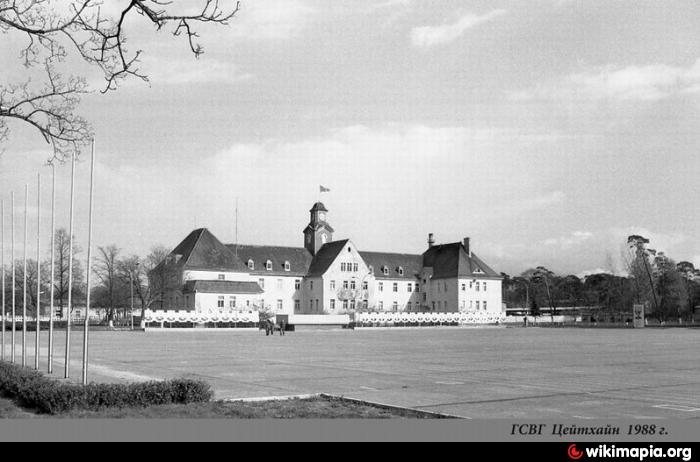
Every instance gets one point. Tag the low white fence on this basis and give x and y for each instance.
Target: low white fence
(319, 319)
(428, 318)
(201, 318)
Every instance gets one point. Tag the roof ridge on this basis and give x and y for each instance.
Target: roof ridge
(194, 246)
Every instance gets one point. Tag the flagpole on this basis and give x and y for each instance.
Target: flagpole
(2, 269)
(89, 249)
(38, 271)
(24, 280)
(12, 194)
(53, 240)
(66, 366)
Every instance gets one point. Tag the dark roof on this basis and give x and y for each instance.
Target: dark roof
(202, 250)
(325, 256)
(223, 287)
(453, 260)
(411, 264)
(298, 257)
(318, 206)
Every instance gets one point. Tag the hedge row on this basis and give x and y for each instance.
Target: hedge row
(34, 390)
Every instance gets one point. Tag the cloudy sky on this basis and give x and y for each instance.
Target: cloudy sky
(546, 130)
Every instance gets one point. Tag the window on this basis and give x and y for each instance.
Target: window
(385, 270)
(287, 266)
(232, 302)
(477, 286)
(247, 303)
(400, 271)
(425, 296)
(279, 305)
(345, 304)
(251, 265)
(268, 265)
(297, 284)
(381, 306)
(352, 284)
(297, 305)
(477, 305)
(364, 304)
(220, 302)
(464, 287)
(484, 305)
(345, 284)
(280, 284)
(261, 283)
(445, 285)
(471, 304)
(409, 287)
(332, 303)
(352, 304)
(484, 286)
(470, 284)
(417, 287)
(395, 306)
(332, 285)
(222, 277)
(343, 266)
(380, 286)
(439, 305)
(396, 287)
(408, 306)
(311, 305)
(354, 267)
(317, 304)
(365, 285)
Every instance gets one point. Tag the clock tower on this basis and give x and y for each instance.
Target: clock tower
(318, 231)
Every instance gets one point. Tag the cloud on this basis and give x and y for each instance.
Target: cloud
(570, 240)
(193, 71)
(271, 19)
(632, 83)
(389, 4)
(428, 36)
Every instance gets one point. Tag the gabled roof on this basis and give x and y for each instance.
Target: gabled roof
(202, 250)
(325, 256)
(453, 260)
(222, 287)
(319, 225)
(298, 257)
(411, 264)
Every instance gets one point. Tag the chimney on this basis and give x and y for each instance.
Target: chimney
(431, 240)
(466, 246)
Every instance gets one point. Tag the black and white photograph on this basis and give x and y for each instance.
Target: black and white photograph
(476, 217)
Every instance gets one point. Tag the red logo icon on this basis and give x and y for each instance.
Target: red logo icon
(574, 453)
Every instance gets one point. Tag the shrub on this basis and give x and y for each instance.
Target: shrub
(34, 390)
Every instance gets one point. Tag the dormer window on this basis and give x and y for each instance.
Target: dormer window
(287, 266)
(400, 271)
(385, 271)
(251, 265)
(268, 265)
(371, 269)
(478, 271)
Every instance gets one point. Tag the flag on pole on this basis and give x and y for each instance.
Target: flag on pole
(323, 189)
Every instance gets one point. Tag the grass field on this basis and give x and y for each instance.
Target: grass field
(470, 372)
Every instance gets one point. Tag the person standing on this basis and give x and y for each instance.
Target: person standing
(283, 325)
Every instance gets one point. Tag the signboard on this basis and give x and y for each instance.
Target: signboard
(638, 311)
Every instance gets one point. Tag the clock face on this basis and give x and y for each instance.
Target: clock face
(324, 238)
(322, 216)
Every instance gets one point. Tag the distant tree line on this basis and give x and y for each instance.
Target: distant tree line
(115, 278)
(669, 289)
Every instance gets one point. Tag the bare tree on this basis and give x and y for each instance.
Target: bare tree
(62, 249)
(82, 29)
(106, 270)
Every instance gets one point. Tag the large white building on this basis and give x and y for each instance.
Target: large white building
(326, 276)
